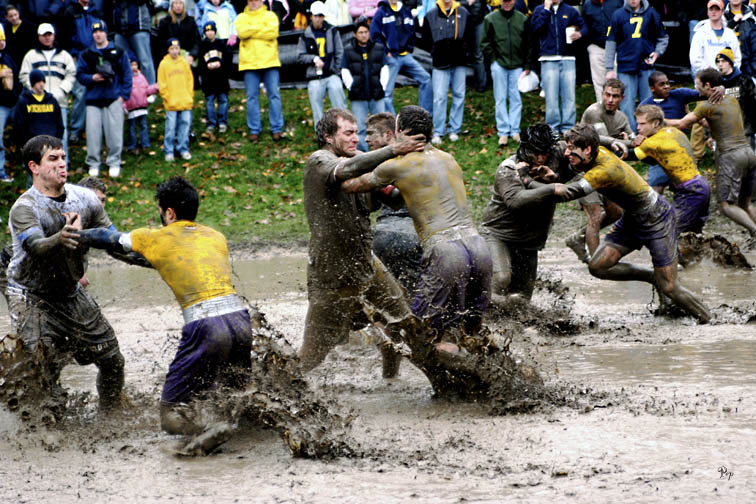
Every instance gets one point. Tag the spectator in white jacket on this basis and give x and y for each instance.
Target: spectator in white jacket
(711, 36)
(337, 12)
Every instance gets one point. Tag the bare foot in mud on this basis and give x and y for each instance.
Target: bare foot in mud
(207, 441)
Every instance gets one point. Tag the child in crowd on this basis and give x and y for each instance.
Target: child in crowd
(214, 70)
(176, 85)
(223, 14)
(136, 108)
(37, 113)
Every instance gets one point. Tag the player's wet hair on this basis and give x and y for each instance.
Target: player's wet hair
(384, 121)
(651, 113)
(36, 147)
(655, 76)
(536, 139)
(93, 183)
(329, 124)
(614, 84)
(179, 194)
(414, 120)
(583, 136)
(710, 75)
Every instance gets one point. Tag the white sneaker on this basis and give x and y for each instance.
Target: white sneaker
(94, 172)
(453, 137)
(169, 158)
(222, 128)
(114, 171)
(186, 155)
(436, 140)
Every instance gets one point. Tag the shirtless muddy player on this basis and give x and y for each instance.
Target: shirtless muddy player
(453, 290)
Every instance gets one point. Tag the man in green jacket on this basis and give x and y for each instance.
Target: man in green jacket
(506, 43)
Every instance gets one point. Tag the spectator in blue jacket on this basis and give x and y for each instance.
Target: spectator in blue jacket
(597, 15)
(394, 27)
(637, 37)
(550, 23)
(131, 26)
(76, 37)
(42, 11)
(106, 72)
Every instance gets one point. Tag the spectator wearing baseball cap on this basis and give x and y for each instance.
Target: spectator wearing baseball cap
(321, 49)
(105, 71)
(58, 66)
(711, 36)
(214, 68)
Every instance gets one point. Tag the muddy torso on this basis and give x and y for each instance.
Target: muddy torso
(55, 274)
(726, 123)
(432, 187)
(340, 236)
(617, 180)
(672, 150)
(527, 225)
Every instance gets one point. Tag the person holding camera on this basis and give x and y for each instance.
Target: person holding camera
(106, 73)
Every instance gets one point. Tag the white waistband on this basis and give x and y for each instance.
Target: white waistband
(213, 308)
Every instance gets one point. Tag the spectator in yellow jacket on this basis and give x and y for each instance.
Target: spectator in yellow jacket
(257, 29)
(176, 85)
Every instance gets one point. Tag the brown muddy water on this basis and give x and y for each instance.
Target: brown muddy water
(665, 408)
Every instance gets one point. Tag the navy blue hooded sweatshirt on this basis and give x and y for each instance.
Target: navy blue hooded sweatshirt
(633, 36)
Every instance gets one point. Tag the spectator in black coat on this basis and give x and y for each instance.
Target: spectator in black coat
(20, 36)
(180, 26)
(214, 69)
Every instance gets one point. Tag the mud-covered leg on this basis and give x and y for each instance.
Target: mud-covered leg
(605, 265)
(110, 377)
(668, 284)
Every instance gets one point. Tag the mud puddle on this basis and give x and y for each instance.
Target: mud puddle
(679, 409)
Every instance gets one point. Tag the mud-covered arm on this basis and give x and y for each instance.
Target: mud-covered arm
(107, 239)
(362, 163)
(364, 183)
(573, 190)
(32, 237)
(594, 217)
(686, 122)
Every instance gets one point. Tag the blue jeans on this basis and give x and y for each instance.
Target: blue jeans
(269, 77)
(416, 71)
(177, 135)
(441, 80)
(360, 109)
(505, 86)
(478, 64)
(139, 43)
(78, 110)
(144, 133)
(5, 113)
(635, 84)
(558, 83)
(316, 89)
(217, 118)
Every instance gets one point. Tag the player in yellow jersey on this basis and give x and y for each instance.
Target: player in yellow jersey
(193, 260)
(735, 160)
(648, 219)
(670, 148)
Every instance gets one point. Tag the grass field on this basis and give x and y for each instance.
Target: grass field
(254, 191)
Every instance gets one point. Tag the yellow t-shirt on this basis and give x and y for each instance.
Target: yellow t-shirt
(617, 180)
(672, 150)
(191, 258)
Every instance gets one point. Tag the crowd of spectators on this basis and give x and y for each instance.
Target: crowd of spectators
(360, 45)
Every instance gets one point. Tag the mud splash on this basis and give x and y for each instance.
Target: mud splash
(695, 247)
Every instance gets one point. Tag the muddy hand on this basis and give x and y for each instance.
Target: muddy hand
(69, 236)
(543, 173)
(407, 144)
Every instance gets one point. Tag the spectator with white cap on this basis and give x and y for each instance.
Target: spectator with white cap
(320, 47)
(59, 69)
